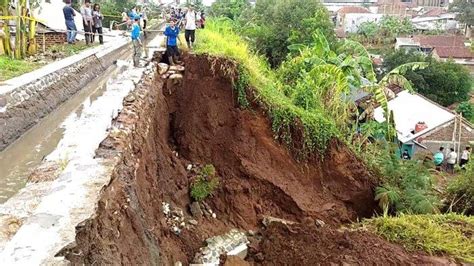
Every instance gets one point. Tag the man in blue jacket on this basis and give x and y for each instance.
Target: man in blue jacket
(136, 41)
(172, 32)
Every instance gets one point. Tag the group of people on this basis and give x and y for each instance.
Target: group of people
(450, 159)
(191, 20)
(91, 18)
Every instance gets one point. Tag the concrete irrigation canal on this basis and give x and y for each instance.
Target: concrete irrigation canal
(99, 168)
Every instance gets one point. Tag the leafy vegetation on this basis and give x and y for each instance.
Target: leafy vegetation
(219, 39)
(443, 82)
(10, 68)
(205, 183)
(229, 8)
(467, 110)
(68, 49)
(465, 11)
(448, 234)
(385, 31)
(272, 26)
(406, 186)
(460, 191)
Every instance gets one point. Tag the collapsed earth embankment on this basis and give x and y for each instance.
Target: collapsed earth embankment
(168, 129)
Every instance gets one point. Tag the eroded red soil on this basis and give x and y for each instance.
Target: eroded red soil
(199, 121)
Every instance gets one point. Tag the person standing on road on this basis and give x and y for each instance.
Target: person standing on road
(172, 33)
(87, 21)
(98, 17)
(438, 158)
(136, 41)
(69, 15)
(465, 157)
(451, 160)
(190, 27)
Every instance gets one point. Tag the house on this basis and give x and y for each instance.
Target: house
(435, 19)
(335, 5)
(404, 7)
(461, 55)
(423, 126)
(341, 13)
(442, 47)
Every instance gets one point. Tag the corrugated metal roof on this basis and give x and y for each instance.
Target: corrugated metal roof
(409, 109)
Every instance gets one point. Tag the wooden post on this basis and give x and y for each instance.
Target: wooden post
(459, 139)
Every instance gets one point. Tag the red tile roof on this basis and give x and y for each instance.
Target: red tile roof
(352, 9)
(454, 52)
(439, 41)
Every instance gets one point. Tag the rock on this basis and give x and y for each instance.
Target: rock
(259, 257)
(193, 222)
(178, 263)
(250, 232)
(3, 101)
(195, 210)
(267, 220)
(162, 68)
(189, 167)
(176, 76)
(235, 261)
(214, 215)
(177, 68)
(319, 223)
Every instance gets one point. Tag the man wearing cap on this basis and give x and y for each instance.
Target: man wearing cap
(69, 15)
(190, 27)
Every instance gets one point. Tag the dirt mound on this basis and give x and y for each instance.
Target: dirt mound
(199, 122)
(309, 245)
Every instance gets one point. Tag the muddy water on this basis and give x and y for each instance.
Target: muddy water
(21, 157)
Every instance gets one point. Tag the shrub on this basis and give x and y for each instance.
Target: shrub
(467, 110)
(448, 234)
(219, 39)
(405, 186)
(205, 183)
(460, 191)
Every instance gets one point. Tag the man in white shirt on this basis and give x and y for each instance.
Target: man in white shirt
(190, 27)
(451, 160)
(465, 157)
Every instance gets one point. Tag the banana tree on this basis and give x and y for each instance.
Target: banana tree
(393, 77)
(6, 30)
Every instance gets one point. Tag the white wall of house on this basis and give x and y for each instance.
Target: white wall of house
(443, 22)
(352, 21)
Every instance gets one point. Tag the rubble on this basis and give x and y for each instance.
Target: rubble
(234, 243)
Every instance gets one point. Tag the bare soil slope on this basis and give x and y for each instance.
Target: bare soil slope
(199, 122)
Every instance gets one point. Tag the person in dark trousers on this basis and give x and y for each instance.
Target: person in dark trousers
(69, 15)
(466, 154)
(172, 33)
(190, 26)
(136, 41)
(406, 155)
(87, 20)
(97, 17)
(451, 161)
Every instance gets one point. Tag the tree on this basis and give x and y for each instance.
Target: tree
(368, 29)
(467, 110)
(443, 82)
(229, 8)
(275, 25)
(465, 9)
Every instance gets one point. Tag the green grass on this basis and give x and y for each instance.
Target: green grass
(218, 39)
(205, 183)
(68, 49)
(10, 68)
(446, 234)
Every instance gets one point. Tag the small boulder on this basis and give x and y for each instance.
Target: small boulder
(195, 210)
(193, 222)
